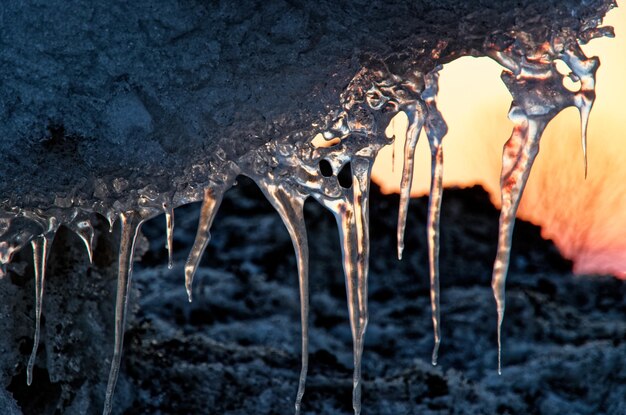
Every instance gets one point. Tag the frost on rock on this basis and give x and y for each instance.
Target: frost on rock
(288, 170)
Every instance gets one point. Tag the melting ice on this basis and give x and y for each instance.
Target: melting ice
(287, 170)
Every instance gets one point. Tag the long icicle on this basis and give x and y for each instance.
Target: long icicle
(415, 114)
(517, 160)
(436, 129)
(289, 205)
(41, 252)
(169, 232)
(210, 205)
(361, 172)
(538, 96)
(353, 224)
(434, 212)
(131, 224)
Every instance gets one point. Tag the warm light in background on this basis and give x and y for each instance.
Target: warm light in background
(585, 218)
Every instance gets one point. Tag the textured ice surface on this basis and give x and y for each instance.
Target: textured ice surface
(134, 173)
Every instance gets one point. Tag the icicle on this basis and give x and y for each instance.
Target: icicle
(41, 251)
(353, 222)
(131, 224)
(393, 156)
(289, 205)
(210, 205)
(584, 70)
(19, 232)
(584, 120)
(517, 160)
(361, 179)
(83, 228)
(169, 231)
(538, 96)
(415, 114)
(436, 129)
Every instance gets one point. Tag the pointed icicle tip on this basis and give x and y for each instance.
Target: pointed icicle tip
(169, 231)
(111, 218)
(84, 229)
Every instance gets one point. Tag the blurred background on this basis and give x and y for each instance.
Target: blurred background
(586, 219)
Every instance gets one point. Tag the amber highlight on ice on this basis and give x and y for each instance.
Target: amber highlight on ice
(583, 216)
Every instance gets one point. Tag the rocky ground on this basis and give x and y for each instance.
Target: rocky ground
(236, 348)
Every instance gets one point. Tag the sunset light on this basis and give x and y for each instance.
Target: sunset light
(584, 217)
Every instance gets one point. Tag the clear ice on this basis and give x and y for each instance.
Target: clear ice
(41, 251)
(169, 232)
(210, 204)
(289, 204)
(538, 96)
(288, 171)
(436, 129)
(82, 227)
(130, 226)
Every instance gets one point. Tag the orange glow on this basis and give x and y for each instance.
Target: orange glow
(585, 218)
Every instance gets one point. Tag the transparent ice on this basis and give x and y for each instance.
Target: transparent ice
(287, 170)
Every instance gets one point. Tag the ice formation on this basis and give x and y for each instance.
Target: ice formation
(288, 171)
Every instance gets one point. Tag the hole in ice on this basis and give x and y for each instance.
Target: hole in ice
(562, 67)
(571, 84)
(397, 126)
(570, 81)
(325, 168)
(345, 176)
(320, 142)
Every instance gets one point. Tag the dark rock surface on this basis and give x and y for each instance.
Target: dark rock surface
(235, 349)
(101, 100)
(98, 101)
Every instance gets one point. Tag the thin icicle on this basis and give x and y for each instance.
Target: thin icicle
(415, 114)
(85, 231)
(289, 205)
(584, 120)
(434, 212)
(41, 252)
(111, 218)
(169, 232)
(210, 205)
(436, 129)
(584, 70)
(131, 224)
(393, 156)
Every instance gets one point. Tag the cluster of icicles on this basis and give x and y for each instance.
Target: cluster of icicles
(288, 172)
